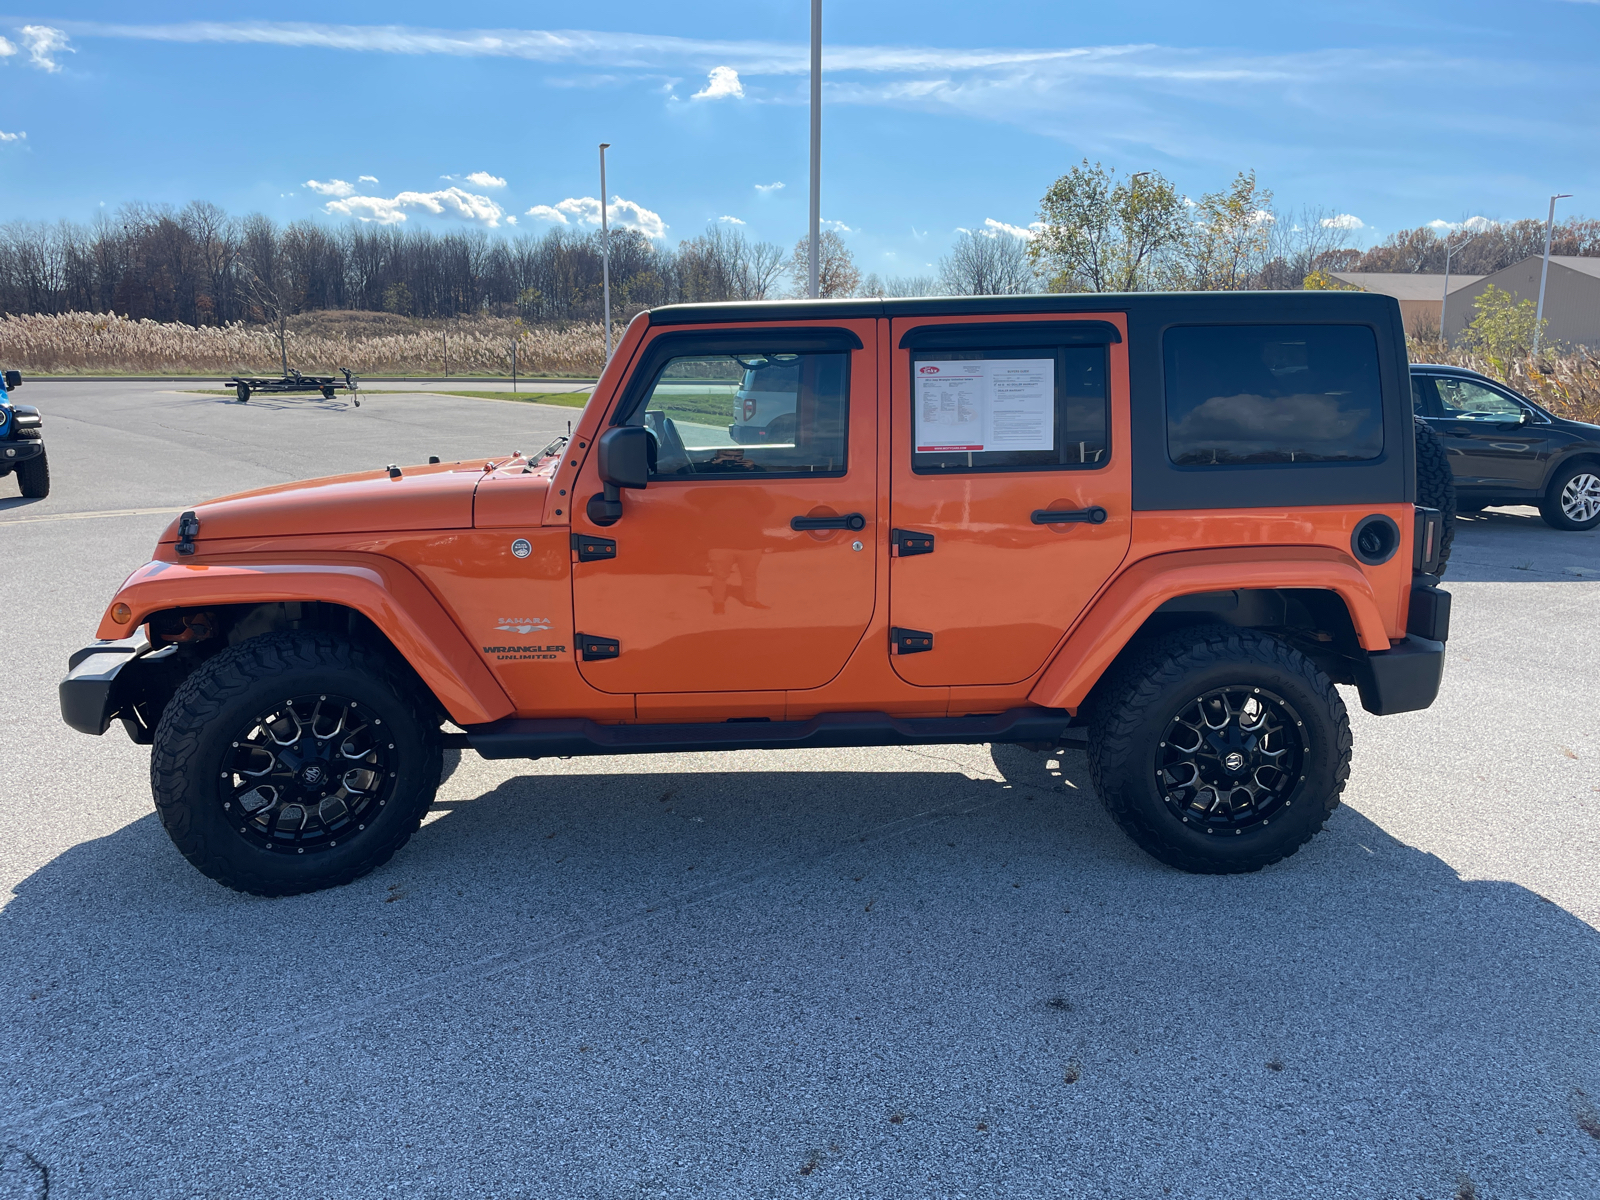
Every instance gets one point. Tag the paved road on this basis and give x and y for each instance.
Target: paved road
(891, 973)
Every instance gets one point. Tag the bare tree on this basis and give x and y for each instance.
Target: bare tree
(987, 264)
(264, 271)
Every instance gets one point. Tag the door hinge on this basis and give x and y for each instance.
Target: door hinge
(909, 541)
(595, 648)
(592, 549)
(909, 641)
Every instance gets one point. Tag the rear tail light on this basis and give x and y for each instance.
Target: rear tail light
(1426, 545)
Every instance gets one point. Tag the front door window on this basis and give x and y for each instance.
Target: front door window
(750, 414)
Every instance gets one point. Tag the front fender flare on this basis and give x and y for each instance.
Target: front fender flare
(379, 588)
(1120, 610)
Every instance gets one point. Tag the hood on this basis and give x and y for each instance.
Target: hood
(421, 498)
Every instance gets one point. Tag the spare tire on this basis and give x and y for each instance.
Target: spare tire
(1436, 486)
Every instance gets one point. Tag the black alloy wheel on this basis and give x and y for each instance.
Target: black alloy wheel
(295, 761)
(1232, 759)
(1218, 749)
(306, 772)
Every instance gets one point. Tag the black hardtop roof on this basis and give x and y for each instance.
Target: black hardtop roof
(1188, 306)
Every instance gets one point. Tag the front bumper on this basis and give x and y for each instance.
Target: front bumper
(90, 694)
(19, 451)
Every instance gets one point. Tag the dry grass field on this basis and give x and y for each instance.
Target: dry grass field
(318, 343)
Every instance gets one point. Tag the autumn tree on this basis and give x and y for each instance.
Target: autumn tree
(1104, 234)
(1230, 234)
(837, 274)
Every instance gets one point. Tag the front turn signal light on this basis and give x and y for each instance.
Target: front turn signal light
(121, 613)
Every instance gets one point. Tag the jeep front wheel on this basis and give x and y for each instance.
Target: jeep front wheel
(33, 477)
(293, 762)
(1220, 750)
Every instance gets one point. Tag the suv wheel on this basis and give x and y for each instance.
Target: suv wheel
(1220, 750)
(33, 477)
(1436, 486)
(1572, 502)
(293, 762)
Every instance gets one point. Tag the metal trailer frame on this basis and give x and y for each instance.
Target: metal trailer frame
(294, 381)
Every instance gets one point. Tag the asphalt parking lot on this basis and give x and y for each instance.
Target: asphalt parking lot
(936, 972)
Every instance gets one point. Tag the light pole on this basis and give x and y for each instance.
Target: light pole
(1444, 301)
(1549, 231)
(813, 288)
(605, 249)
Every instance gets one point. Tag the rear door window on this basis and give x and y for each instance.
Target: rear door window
(1243, 394)
(1008, 409)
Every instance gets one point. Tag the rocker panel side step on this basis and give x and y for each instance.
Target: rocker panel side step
(514, 737)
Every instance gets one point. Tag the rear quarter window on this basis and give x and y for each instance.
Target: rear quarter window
(1278, 394)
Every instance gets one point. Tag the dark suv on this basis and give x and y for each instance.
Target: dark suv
(1505, 449)
(22, 442)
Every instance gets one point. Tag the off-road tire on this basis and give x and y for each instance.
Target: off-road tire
(223, 696)
(1554, 511)
(1132, 710)
(1436, 486)
(33, 477)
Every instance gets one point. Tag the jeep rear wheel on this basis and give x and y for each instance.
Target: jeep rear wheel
(33, 477)
(293, 762)
(1220, 750)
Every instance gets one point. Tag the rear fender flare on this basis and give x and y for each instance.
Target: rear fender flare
(1122, 609)
(382, 590)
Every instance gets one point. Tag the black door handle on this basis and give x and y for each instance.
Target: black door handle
(1093, 515)
(848, 521)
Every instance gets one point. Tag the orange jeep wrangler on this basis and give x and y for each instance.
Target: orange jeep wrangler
(1163, 526)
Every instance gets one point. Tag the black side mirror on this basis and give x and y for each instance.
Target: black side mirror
(13, 380)
(624, 462)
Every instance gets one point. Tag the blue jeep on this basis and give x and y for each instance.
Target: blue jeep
(22, 442)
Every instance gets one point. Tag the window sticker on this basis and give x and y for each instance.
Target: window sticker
(986, 404)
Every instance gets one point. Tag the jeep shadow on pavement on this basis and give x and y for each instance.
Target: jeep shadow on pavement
(1160, 526)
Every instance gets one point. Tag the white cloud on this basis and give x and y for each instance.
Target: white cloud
(766, 189)
(451, 202)
(11, 137)
(1262, 217)
(366, 179)
(511, 218)
(8, 48)
(839, 225)
(43, 42)
(993, 228)
(333, 187)
(722, 83)
(484, 179)
(1343, 221)
(585, 210)
(1471, 224)
(730, 220)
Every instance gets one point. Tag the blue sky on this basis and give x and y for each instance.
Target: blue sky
(938, 115)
